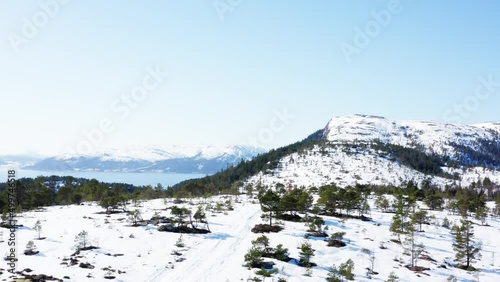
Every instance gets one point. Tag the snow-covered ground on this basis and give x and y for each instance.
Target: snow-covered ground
(218, 256)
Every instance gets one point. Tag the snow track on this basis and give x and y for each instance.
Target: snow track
(217, 253)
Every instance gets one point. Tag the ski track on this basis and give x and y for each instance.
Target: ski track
(210, 262)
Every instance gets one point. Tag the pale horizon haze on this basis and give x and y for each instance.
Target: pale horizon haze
(223, 72)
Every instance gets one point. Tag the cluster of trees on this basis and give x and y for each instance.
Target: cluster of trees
(282, 203)
(260, 249)
(407, 221)
(334, 199)
(182, 217)
(342, 273)
(487, 153)
(414, 158)
(47, 191)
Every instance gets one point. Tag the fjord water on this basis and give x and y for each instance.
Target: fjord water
(137, 178)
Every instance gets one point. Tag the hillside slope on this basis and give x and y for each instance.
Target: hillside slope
(362, 149)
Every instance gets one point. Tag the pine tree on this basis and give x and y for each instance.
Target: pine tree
(38, 228)
(411, 247)
(467, 250)
(419, 218)
(180, 215)
(306, 253)
(333, 274)
(270, 204)
(481, 214)
(400, 221)
(180, 242)
(82, 239)
(392, 277)
(281, 253)
(31, 249)
(346, 268)
(201, 217)
(262, 243)
(253, 258)
(134, 217)
(496, 210)
(382, 203)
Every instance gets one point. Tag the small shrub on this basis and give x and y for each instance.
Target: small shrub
(336, 240)
(180, 243)
(265, 272)
(392, 277)
(446, 223)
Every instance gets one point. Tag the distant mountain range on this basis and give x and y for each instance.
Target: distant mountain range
(178, 159)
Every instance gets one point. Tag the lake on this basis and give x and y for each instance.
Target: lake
(146, 178)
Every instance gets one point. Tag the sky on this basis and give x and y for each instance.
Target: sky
(89, 75)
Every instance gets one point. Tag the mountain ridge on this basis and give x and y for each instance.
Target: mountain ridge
(179, 159)
(373, 150)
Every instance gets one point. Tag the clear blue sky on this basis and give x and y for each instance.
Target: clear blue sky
(228, 76)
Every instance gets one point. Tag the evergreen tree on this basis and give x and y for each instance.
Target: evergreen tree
(38, 228)
(496, 210)
(467, 251)
(296, 200)
(31, 249)
(363, 206)
(392, 277)
(180, 242)
(201, 217)
(346, 268)
(382, 203)
(134, 217)
(316, 224)
(64, 194)
(253, 258)
(403, 206)
(262, 243)
(82, 239)
(180, 215)
(481, 214)
(306, 253)
(329, 197)
(270, 204)
(434, 201)
(249, 190)
(410, 245)
(281, 253)
(333, 274)
(420, 217)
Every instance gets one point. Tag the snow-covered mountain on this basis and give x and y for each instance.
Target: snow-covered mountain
(180, 159)
(370, 149)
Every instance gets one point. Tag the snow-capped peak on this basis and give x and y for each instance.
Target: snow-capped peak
(436, 136)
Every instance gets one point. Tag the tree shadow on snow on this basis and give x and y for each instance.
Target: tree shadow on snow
(217, 236)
